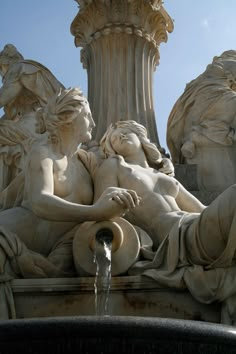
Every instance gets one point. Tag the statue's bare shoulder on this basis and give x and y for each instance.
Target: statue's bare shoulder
(109, 165)
(106, 176)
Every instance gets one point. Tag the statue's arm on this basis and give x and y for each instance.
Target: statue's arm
(106, 176)
(40, 190)
(45, 204)
(187, 202)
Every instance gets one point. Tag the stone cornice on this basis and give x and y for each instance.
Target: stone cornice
(146, 19)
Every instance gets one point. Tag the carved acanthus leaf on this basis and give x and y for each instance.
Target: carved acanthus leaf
(148, 16)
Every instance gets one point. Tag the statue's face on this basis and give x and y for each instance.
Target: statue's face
(124, 141)
(83, 125)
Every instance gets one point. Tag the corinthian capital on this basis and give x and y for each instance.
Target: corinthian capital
(144, 18)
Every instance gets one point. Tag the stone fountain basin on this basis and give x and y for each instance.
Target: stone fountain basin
(115, 334)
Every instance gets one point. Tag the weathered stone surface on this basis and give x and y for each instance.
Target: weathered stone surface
(129, 296)
(187, 175)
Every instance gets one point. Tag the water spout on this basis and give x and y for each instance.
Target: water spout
(120, 239)
(102, 258)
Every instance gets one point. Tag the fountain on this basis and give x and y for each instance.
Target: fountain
(109, 32)
(132, 310)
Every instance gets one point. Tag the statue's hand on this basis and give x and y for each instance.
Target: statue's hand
(115, 202)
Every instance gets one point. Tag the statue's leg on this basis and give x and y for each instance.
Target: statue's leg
(212, 235)
(61, 256)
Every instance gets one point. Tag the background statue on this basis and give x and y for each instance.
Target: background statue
(193, 245)
(36, 237)
(201, 125)
(27, 85)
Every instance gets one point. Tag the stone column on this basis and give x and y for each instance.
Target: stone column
(120, 49)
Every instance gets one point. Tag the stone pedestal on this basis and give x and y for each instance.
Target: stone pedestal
(129, 296)
(188, 176)
(120, 41)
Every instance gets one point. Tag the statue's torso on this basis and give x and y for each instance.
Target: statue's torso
(158, 210)
(71, 182)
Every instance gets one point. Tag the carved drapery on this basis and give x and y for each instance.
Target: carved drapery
(120, 49)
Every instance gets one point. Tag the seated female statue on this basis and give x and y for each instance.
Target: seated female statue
(58, 192)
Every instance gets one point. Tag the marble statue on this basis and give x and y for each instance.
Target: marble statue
(27, 85)
(125, 184)
(201, 126)
(193, 245)
(36, 237)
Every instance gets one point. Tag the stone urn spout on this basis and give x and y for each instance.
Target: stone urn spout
(122, 236)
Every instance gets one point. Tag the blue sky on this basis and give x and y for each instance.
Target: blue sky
(41, 31)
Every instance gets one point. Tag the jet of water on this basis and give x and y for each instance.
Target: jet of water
(102, 284)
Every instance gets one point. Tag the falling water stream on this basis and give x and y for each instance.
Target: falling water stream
(102, 258)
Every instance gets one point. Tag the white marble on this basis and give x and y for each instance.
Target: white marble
(26, 86)
(193, 245)
(120, 49)
(201, 126)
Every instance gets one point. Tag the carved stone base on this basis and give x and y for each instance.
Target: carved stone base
(187, 176)
(129, 296)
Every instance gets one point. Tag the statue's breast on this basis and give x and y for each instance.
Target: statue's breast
(72, 181)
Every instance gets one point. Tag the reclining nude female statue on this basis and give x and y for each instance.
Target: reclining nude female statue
(36, 237)
(193, 245)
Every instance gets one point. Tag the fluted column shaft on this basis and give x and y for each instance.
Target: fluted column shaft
(120, 56)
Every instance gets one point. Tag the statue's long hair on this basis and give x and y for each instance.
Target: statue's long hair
(61, 109)
(153, 155)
